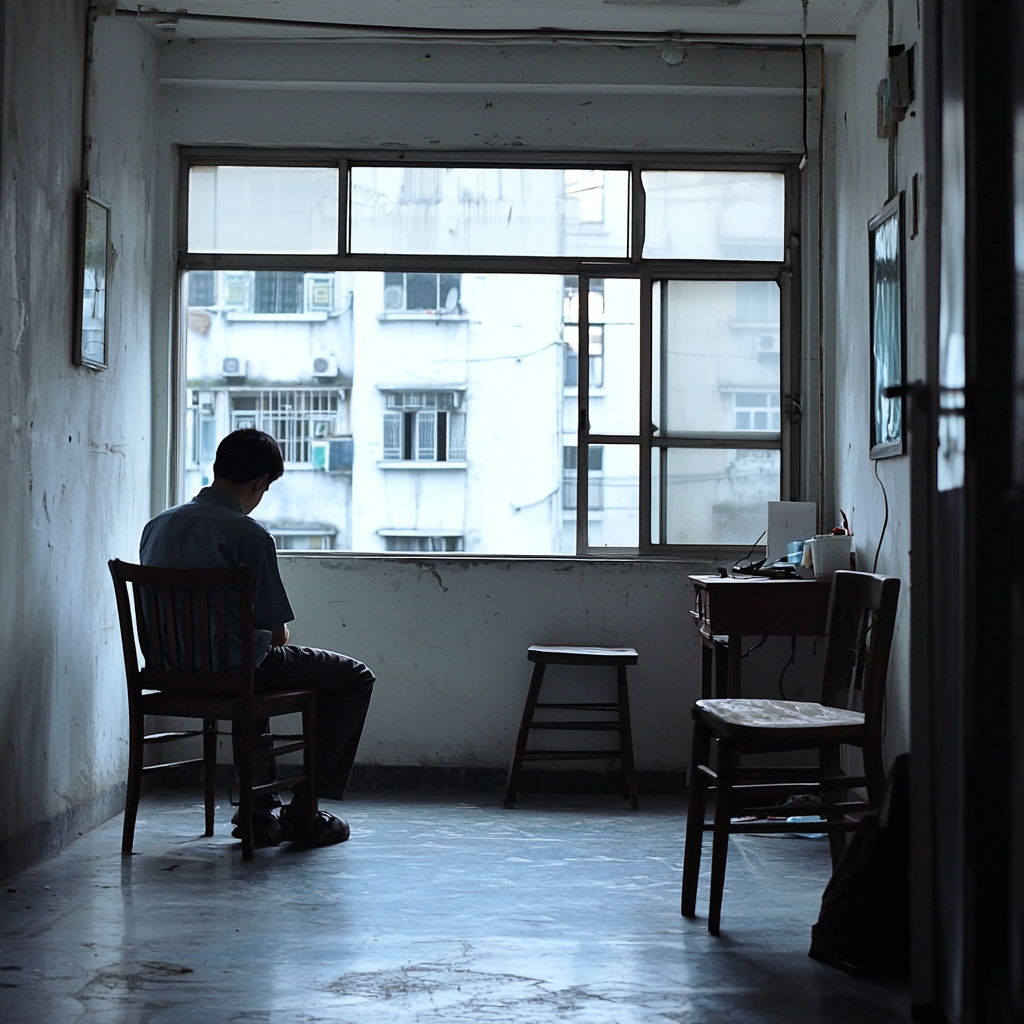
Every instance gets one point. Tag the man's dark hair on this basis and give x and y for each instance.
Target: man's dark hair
(246, 455)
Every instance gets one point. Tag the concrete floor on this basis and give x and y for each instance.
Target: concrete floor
(441, 908)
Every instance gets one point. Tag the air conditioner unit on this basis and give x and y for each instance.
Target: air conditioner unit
(319, 293)
(767, 343)
(333, 456)
(233, 368)
(394, 299)
(325, 367)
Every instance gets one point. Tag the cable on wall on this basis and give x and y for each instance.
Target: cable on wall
(885, 522)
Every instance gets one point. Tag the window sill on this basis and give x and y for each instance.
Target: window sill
(287, 317)
(425, 316)
(416, 464)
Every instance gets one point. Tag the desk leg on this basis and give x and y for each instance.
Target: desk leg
(721, 666)
(707, 658)
(735, 653)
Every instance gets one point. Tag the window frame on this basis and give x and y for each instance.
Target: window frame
(786, 273)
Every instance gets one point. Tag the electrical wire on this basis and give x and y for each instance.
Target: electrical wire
(785, 668)
(752, 546)
(754, 647)
(885, 523)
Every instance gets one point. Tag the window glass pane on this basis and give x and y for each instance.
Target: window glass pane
(440, 431)
(719, 367)
(489, 211)
(263, 209)
(614, 356)
(720, 495)
(714, 215)
(613, 518)
(655, 495)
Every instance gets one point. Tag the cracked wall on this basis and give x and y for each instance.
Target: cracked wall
(75, 443)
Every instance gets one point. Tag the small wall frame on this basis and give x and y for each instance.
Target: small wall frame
(90, 343)
(886, 247)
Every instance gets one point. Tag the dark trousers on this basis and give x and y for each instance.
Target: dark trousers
(343, 687)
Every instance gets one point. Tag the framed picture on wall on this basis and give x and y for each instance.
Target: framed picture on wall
(93, 275)
(888, 329)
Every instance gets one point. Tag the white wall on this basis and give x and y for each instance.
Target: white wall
(446, 96)
(76, 443)
(860, 178)
(447, 639)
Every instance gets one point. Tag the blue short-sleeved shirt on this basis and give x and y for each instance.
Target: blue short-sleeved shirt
(210, 532)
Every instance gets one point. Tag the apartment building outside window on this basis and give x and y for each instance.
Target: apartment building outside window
(541, 331)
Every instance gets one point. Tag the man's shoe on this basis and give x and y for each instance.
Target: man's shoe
(327, 829)
(269, 828)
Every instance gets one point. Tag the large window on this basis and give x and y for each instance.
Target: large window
(553, 358)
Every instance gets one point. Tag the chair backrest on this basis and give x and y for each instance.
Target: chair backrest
(182, 619)
(861, 621)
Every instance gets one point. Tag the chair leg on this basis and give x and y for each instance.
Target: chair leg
(210, 769)
(695, 812)
(245, 773)
(136, 750)
(309, 767)
(626, 739)
(829, 765)
(720, 846)
(524, 734)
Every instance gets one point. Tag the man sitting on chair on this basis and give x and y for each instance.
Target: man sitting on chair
(214, 530)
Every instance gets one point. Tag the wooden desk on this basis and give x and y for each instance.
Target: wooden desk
(727, 608)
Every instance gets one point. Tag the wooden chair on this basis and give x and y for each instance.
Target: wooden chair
(181, 617)
(609, 657)
(862, 616)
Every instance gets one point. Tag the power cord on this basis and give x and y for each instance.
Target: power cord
(785, 668)
(885, 523)
(753, 647)
(750, 550)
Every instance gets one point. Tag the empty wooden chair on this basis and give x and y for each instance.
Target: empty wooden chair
(609, 657)
(862, 616)
(181, 617)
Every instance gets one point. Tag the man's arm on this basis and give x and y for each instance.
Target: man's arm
(280, 635)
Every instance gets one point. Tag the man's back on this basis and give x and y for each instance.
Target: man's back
(211, 531)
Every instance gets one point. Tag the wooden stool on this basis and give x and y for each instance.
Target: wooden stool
(611, 657)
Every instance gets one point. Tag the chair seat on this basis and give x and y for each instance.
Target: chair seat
(265, 705)
(582, 655)
(741, 716)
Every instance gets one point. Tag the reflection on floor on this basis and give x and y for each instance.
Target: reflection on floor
(441, 908)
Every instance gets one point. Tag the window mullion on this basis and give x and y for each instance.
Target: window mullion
(791, 403)
(583, 420)
(637, 213)
(344, 208)
(646, 406)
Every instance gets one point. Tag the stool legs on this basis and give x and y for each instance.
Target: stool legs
(524, 734)
(624, 728)
(626, 740)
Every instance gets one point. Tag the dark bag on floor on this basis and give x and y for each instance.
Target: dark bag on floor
(864, 924)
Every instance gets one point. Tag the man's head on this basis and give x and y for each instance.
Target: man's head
(248, 462)
(247, 454)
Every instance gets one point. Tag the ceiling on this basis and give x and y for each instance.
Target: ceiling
(704, 17)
